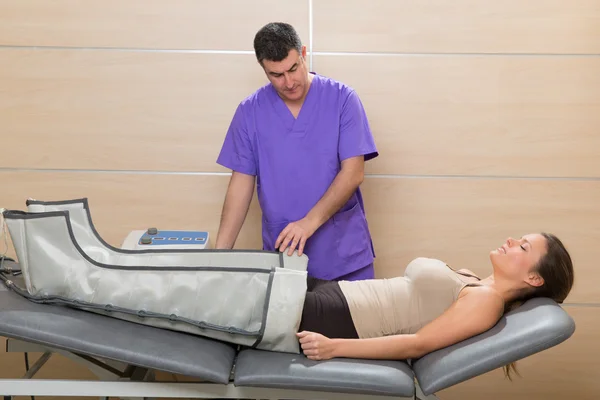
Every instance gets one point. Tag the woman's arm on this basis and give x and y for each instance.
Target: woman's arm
(475, 312)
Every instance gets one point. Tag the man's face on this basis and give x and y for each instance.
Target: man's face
(289, 76)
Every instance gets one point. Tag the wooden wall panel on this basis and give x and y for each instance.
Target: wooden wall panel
(457, 220)
(463, 26)
(461, 220)
(515, 116)
(147, 24)
(120, 203)
(567, 371)
(130, 96)
(120, 110)
(475, 116)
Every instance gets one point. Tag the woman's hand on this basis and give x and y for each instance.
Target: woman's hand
(316, 346)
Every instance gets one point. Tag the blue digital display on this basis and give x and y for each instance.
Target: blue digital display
(162, 238)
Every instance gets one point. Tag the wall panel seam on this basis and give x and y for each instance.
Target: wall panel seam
(367, 175)
(484, 177)
(129, 49)
(112, 171)
(311, 51)
(451, 54)
(310, 33)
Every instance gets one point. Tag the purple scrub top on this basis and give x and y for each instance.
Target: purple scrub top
(296, 160)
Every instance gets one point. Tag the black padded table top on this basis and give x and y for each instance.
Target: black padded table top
(92, 334)
(97, 335)
(537, 325)
(278, 370)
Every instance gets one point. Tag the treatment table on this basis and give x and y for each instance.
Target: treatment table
(124, 355)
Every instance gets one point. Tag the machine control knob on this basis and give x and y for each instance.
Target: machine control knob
(152, 231)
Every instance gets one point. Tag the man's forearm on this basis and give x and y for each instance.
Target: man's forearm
(235, 208)
(232, 219)
(345, 183)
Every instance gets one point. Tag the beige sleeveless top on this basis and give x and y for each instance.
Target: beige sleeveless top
(381, 307)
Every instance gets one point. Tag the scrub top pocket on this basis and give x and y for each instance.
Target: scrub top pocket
(270, 233)
(352, 225)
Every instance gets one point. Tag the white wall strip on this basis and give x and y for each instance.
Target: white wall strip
(111, 171)
(310, 33)
(310, 50)
(128, 49)
(499, 177)
(449, 54)
(373, 176)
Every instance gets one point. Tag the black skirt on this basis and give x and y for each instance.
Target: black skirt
(326, 310)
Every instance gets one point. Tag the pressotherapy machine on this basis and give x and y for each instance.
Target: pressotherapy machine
(128, 312)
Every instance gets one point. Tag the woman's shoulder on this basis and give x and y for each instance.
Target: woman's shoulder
(484, 296)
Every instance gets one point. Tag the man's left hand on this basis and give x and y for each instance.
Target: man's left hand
(294, 234)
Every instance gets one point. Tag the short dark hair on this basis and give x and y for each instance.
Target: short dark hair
(274, 41)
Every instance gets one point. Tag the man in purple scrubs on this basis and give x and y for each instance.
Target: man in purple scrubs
(303, 139)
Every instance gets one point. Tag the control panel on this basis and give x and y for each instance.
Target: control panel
(154, 238)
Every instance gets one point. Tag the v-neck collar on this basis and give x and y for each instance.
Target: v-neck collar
(298, 125)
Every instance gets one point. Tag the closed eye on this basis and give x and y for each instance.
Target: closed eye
(523, 248)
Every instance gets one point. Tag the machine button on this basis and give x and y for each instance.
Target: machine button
(152, 231)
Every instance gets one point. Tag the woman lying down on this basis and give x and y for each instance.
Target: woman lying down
(432, 306)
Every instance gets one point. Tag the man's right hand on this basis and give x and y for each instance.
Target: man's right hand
(235, 208)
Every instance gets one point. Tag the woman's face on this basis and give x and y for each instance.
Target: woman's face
(516, 258)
